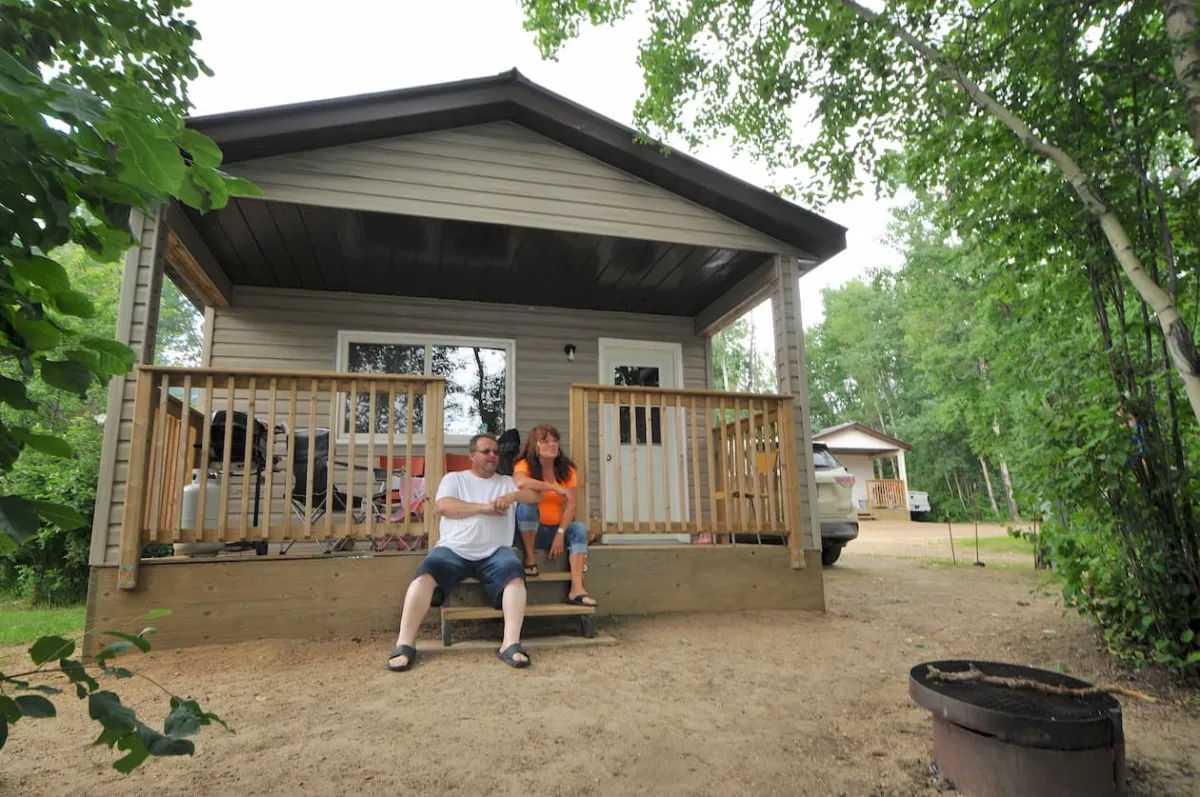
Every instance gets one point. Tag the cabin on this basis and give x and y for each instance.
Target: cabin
(870, 456)
(425, 264)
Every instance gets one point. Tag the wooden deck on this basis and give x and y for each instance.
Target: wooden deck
(235, 599)
(699, 465)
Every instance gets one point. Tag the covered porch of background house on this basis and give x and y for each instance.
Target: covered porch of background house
(400, 322)
(876, 461)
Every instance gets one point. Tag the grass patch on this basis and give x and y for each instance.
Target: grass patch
(1003, 544)
(19, 624)
(968, 562)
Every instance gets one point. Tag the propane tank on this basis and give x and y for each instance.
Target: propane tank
(212, 510)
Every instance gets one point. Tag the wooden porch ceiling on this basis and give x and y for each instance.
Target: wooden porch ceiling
(285, 245)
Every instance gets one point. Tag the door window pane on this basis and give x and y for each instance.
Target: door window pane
(639, 376)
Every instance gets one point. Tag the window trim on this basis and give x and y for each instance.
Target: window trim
(347, 336)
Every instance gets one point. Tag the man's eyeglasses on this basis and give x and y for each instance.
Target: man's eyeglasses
(488, 452)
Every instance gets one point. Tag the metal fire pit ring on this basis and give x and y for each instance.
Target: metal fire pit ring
(994, 741)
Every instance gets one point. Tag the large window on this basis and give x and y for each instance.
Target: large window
(480, 394)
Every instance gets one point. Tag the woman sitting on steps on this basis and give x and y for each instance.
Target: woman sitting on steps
(551, 524)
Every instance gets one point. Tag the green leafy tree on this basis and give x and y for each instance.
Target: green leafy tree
(739, 364)
(1057, 144)
(51, 566)
(93, 97)
(717, 67)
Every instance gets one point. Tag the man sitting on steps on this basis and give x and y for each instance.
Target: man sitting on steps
(475, 523)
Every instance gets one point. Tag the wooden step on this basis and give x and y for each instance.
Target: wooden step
(530, 643)
(534, 610)
(586, 616)
(557, 575)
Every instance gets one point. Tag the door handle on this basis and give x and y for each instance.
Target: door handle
(608, 458)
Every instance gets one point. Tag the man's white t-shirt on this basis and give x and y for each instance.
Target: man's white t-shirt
(479, 536)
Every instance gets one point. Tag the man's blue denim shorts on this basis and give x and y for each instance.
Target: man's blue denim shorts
(494, 573)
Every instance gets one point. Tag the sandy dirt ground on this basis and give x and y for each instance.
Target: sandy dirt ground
(759, 703)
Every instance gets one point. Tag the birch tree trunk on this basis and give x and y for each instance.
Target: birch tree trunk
(1178, 337)
(1013, 514)
(987, 479)
(1183, 25)
(962, 499)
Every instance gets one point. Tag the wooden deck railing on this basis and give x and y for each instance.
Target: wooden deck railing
(175, 420)
(273, 481)
(664, 461)
(886, 494)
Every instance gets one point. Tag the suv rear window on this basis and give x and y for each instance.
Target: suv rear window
(823, 460)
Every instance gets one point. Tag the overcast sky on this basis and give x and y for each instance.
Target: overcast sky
(269, 52)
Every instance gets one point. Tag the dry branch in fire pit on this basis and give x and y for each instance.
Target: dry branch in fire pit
(973, 674)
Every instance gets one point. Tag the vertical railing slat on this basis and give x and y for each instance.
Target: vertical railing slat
(203, 532)
(583, 507)
(333, 429)
(694, 461)
(728, 485)
(633, 456)
(273, 397)
(435, 456)
(408, 461)
(181, 468)
(713, 484)
(771, 452)
(618, 471)
(248, 458)
(664, 429)
(352, 426)
(312, 438)
(391, 456)
(226, 458)
(369, 495)
(289, 477)
(680, 470)
(157, 476)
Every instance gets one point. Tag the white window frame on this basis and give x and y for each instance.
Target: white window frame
(347, 336)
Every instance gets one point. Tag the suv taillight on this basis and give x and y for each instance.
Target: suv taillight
(845, 481)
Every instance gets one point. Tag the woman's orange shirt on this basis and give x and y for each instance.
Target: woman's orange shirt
(550, 508)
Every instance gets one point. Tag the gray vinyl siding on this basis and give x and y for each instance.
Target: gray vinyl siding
(136, 324)
(270, 328)
(281, 329)
(500, 173)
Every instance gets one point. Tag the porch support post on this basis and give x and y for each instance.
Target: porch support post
(137, 325)
(137, 322)
(793, 380)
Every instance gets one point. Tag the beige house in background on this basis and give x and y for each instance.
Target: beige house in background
(425, 264)
(861, 449)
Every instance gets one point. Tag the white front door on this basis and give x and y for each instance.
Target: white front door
(653, 483)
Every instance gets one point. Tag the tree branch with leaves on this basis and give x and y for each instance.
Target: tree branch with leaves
(93, 98)
(718, 67)
(93, 102)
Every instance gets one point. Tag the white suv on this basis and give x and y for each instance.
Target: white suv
(839, 521)
(835, 502)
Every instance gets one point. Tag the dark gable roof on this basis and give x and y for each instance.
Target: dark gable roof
(893, 441)
(245, 135)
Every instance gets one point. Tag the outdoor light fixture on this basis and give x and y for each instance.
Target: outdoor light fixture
(569, 349)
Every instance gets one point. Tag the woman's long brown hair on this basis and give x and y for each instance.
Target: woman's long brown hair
(529, 453)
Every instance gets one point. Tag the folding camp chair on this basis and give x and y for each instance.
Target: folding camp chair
(408, 499)
(322, 502)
